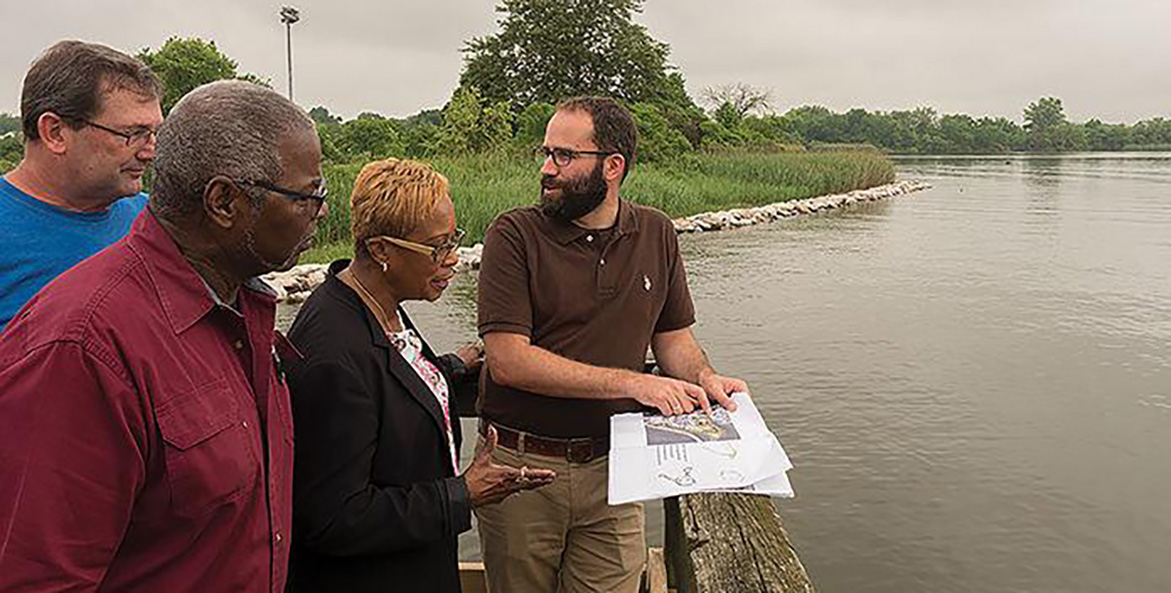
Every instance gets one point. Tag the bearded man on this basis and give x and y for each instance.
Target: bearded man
(571, 295)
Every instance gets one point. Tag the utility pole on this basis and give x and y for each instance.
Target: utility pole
(289, 15)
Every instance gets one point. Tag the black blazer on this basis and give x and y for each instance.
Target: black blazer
(376, 502)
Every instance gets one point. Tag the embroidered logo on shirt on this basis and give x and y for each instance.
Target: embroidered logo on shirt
(646, 282)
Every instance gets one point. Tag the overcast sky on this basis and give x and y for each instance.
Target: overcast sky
(1104, 58)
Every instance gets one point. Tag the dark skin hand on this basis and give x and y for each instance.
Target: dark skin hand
(472, 354)
(489, 482)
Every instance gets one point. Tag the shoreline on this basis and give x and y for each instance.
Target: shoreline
(293, 286)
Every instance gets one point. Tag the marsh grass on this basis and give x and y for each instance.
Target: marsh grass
(483, 186)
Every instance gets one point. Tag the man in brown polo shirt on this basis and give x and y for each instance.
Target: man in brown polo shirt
(572, 293)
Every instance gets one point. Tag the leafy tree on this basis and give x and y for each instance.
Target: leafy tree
(370, 138)
(1045, 122)
(432, 117)
(770, 129)
(469, 126)
(530, 126)
(547, 50)
(657, 139)
(11, 151)
(9, 123)
(1155, 132)
(321, 115)
(1044, 113)
(1100, 136)
(716, 136)
(330, 135)
(183, 64)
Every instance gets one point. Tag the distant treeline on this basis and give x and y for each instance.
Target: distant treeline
(466, 126)
(924, 131)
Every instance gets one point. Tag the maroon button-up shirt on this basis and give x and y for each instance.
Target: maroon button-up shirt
(145, 433)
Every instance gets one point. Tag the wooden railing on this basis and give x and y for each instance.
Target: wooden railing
(729, 543)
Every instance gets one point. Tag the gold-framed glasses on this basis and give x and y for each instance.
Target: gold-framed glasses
(438, 253)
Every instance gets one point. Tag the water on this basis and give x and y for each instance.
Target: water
(974, 381)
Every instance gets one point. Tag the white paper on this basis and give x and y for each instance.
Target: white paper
(653, 456)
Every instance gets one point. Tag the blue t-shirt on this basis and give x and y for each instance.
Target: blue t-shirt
(39, 241)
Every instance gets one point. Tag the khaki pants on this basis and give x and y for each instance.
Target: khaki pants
(564, 537)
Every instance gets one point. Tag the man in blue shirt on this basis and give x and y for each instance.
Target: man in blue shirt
(89, 119)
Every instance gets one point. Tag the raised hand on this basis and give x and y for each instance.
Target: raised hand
(472, 354)
(489, 482)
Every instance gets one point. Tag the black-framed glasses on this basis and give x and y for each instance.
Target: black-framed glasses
(438, 253)
(563, 156)
(317, 198)
(139, 137)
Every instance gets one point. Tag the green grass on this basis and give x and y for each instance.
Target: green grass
(483, 186)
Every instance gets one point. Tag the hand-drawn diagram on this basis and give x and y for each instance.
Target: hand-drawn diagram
(653, 456)
(696, 427)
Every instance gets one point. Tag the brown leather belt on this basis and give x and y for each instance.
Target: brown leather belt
(581, 450)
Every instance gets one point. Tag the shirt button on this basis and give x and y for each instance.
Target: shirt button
(603, 262)
(277, 537)
(245, 423)
(590, 238)
(238, 345)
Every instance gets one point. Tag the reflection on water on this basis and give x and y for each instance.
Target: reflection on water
(974, 382)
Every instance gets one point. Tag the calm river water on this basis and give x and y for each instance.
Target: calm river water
(974, 381)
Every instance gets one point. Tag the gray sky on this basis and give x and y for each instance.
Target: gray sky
(1105, 58)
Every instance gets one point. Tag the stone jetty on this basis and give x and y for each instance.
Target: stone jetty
(295, 285)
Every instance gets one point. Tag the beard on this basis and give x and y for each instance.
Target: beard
(578, 196)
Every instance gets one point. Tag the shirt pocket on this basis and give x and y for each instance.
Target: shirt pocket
(207, 454)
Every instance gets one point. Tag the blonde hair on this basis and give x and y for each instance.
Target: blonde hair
(393, 197)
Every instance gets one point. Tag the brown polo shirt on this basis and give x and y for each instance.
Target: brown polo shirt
(592, 296)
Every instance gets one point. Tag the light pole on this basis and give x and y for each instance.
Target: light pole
(289, 15)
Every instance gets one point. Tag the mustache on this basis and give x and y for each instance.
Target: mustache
(548, 182)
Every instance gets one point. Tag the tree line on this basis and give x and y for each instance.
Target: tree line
(544, 51)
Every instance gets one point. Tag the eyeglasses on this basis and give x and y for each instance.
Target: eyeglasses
(563, 156)
(438, 253)
(316, 199)
(138, 138)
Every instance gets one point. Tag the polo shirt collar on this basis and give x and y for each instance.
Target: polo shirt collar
(567, 232)
(184, 294)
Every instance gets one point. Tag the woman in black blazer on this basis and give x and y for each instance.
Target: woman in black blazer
(378, 499)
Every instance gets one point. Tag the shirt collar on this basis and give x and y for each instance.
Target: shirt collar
(184, 294)
(567, 232)
(253, 284)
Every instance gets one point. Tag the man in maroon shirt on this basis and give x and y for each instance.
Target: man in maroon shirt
(145, 435)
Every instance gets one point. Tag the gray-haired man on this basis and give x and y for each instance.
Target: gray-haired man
(145, 432)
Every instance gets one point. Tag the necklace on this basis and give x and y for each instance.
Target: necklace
(383, 318)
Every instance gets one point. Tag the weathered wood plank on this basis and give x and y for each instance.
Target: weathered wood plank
(471, 577)
(730, 543)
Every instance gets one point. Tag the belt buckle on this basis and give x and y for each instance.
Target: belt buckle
(579, 451)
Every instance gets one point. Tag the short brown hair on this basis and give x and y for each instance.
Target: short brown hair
(71, 77)
(393, 197)
(614, 127)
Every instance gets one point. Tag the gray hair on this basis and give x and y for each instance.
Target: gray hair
(72, 77)
(230, 128)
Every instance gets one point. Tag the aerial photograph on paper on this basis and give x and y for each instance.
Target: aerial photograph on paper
(696, 427)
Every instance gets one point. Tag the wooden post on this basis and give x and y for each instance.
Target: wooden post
(730, 543)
